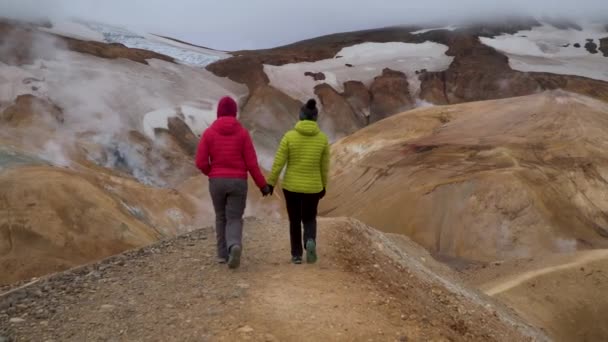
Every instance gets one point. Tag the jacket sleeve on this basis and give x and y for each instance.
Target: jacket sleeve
(280, 159)
(202, 155)
(251, 160)
(325, 165)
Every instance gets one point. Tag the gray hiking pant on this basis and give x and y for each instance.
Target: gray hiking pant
(229, 196)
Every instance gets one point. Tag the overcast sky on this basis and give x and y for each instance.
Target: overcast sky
(245, 24)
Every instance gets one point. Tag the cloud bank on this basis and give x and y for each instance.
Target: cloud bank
(246, 24)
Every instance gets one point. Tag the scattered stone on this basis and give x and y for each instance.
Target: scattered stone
(577, 45)
(591, 47)
(4, 339)
(107, 307)
(317, 76)
(243, 285)
(349, 65)
(245, 330)
(16, 320)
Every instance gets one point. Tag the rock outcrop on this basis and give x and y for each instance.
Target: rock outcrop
(604, 46)
(113, 51)
(317, 76)
(390, 95)
(268, 114)
(591, 46)
(29, 109)
(359, 98)
(187, 140)
(337, 112)
(479, 72)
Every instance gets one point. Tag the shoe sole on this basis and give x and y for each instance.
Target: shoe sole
(235, 257)
(311, 252)
(297, 262)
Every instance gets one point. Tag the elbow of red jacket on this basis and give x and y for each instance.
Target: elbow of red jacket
(203, 168)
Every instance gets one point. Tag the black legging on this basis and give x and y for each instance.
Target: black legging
(301, 208)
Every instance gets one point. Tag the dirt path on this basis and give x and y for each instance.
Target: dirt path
(502, 285)
(174, 291)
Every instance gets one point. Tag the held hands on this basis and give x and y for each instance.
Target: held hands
(267, 190)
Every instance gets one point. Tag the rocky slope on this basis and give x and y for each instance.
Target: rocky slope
(367, 286)
(481, 181)
(508, 192)
(96, 158)
(462, 67)
(563, 293)
(96, 149)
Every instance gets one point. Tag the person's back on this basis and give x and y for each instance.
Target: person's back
(307, 146)
(225, 154)
(305, 150)
(226, 139)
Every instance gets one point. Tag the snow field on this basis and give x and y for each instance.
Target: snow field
(549, 49)
(367, 60)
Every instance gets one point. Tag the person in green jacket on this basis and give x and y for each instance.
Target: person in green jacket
(305, 150)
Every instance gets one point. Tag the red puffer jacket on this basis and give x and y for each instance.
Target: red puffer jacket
(226, 151)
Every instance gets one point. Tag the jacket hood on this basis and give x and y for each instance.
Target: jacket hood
(227, 107)
(307, 127)
(226, 125)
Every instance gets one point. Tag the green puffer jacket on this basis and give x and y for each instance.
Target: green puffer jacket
(305, 150)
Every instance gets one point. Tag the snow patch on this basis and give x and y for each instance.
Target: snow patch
(367, 60)
(183, 53)
(449, 28)
(548, 49)
(157, 119)
(74, 30)
(197, 119)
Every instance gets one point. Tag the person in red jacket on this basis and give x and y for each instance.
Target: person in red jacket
(225, 154)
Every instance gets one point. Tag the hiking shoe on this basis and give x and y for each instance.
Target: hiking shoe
(234, 260)
(222, 260)
(311, 251)
(296, 260)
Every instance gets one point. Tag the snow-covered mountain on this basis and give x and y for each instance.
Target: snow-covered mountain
(579, 51)
(181, 52)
